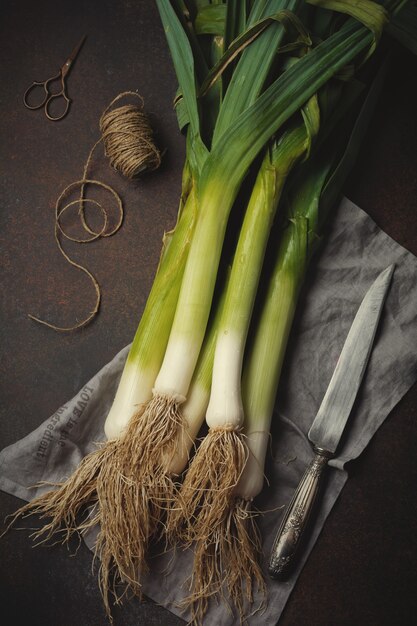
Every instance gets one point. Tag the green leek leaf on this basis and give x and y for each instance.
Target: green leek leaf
(242, 141)
(286, 18)
(235, 20)
(183, 60)
(369, 13)
(210, 20)
(254, 65)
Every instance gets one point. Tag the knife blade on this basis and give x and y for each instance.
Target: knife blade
(328, 425)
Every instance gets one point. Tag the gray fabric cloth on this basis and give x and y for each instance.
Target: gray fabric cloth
(356, 251)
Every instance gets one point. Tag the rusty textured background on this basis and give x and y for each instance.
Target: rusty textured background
(362, 570)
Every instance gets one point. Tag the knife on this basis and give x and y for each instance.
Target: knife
(330, 421)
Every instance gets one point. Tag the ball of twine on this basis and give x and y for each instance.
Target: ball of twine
(128, 138)
(128, 143)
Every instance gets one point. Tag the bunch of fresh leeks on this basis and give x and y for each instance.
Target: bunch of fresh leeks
(274, 97)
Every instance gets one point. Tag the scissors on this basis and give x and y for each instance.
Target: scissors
(51, 96)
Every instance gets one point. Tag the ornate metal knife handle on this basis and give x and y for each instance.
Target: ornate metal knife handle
(296, 517)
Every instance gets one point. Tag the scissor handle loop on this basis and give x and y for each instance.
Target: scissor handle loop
(48, 97)
(34, 85)
(61, 94)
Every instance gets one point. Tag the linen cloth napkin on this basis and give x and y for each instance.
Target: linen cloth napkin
(356, 250)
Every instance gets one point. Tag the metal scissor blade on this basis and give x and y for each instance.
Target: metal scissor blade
(337, 403)
(65, 68)
(77, 49)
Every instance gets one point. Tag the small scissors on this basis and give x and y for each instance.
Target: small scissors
(49, 96)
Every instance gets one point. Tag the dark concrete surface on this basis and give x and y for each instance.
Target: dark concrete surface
(363, 568)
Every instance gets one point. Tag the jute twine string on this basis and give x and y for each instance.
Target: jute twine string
(128, 143)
